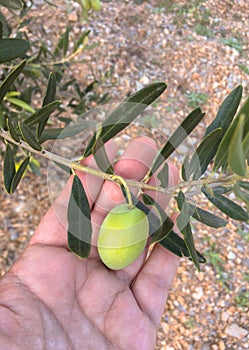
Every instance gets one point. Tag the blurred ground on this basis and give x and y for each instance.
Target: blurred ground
(200, 48)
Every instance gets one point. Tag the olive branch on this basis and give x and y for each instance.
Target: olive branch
(218, 166)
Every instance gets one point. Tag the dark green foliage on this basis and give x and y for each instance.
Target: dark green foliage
(79, 221)
(11, 48)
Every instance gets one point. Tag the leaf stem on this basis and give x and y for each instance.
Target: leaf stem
(75, 165)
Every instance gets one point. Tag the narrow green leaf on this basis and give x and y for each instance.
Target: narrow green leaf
(1, 30)
(183, 223)
(163, 175)
(236, 158)
(154, 221)
(245, 146)
(11, 4)
(11, 48)
(201, 215)
(51, 90)
(228, 207)
(42, 114)
(189, 240)
(19, 174)
(64, 167)
(126, 112)
(180, 134)
(62, 43)
(22, 104)
(9, 80)
(243, 184)
(101, 156)
(222, 152)
(240, 194)
(65, 41)
(12, 131)
(62, 133)
(9, 168)
(81, 40)
(174, 243)
(186, 171)
(166, 224)
(245, 110)
(29, 137)
(226, 111)
(79, 221)
(204, 153)
(49, 98)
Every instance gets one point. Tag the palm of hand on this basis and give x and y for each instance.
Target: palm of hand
(52, 300)
(66, 303)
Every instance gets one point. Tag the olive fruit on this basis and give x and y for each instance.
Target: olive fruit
(96, 5)
(122, 236)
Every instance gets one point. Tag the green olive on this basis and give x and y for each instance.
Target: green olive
(122, 236)
(96, 5)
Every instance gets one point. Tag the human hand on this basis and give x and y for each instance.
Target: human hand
(51, 299)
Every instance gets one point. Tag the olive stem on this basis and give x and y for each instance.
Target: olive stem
(123, 182)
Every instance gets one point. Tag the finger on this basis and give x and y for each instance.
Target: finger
(53, 226)
(133, 164)
(154, 281)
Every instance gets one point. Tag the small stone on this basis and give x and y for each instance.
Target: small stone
(224, 316)
(144, 80)
(165, 328)
(234, 330)
(222, 345)
(205, 346)
(198, 294)
(72, 17)
(231, 256)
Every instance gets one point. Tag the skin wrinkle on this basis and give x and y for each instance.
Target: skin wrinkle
(41, 303)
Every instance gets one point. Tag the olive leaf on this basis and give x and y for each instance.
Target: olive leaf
(100, 154)
(183, 224)
(243, 184)
(174, 243)
(42, 114)
(62, 133)
(200, 214)
(11, 48)
(19, 103)
(236, 158)
(166, 223)
(126, 112)
(245, 110)
(12, 130)
(49, 98)
(19, 174)
(240, 194)
(180, 134)
(226, 111)
(163, 175)
(228, 207)
(9, 168)
(29, 137)
(11, 4)
(204, 153)
(10, 78)
(79, 231)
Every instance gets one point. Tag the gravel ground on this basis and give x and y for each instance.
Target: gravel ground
(201, 52)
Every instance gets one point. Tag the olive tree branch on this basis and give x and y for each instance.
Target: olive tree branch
(75, 165)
